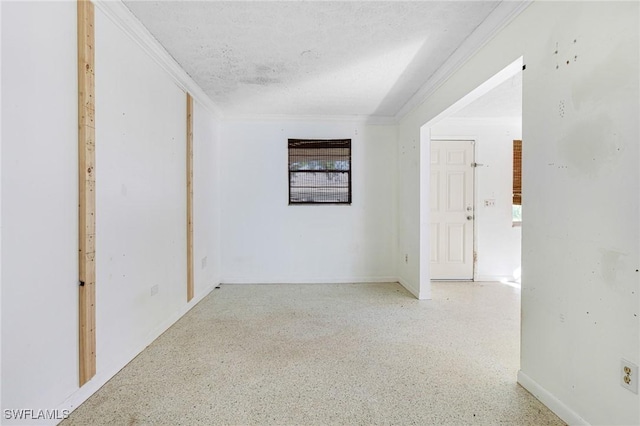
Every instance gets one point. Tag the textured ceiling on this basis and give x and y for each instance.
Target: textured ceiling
(311, 58)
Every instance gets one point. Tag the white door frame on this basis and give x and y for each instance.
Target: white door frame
(424, 288)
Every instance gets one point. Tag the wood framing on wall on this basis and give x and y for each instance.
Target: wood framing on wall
(189, 197)
(87, 193)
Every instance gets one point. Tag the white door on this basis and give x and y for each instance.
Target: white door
(452, 210)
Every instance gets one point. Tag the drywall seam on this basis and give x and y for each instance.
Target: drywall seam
(547, 398)
(122, 17)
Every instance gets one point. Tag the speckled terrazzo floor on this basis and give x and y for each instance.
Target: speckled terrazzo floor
(329, 354)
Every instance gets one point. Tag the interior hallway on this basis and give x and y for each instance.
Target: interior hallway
(330, 354)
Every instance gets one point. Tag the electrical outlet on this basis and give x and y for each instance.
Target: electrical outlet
(204, 262)
(406, 258)
(489, 203)
(629, 375)
(154, 290)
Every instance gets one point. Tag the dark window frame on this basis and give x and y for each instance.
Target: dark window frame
(326, 154)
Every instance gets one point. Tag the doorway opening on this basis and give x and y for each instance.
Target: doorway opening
(470, 233)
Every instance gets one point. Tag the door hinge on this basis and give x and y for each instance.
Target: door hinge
(81, 283)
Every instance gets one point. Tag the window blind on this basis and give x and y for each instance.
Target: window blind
(319, 171)
(517, 172)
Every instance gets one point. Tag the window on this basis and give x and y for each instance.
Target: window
(517, 182)
(319, 171)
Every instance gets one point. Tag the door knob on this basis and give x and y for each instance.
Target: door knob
(469, 217)
(469, 209)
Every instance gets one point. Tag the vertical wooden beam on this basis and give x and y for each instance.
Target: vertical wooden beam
(87, 190)
(189, 197)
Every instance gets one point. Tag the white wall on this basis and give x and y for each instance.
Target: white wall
(497, 241)
(266, 240)
(580, 297)
(0, 208)
(206, 200)
(409, 226)
(141, 204)
(140, 195)
(39, 204)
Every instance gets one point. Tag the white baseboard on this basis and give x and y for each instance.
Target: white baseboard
(554, 404)
(357, 280)
(410, 288)
(306, 280)
(497, 278)
(92, 386)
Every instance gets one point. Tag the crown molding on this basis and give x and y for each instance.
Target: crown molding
(502, 15)
(122, 17)
(365, 119)
(481, 121)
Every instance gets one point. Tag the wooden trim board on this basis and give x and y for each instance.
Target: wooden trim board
(189, 197)
(86, 194)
